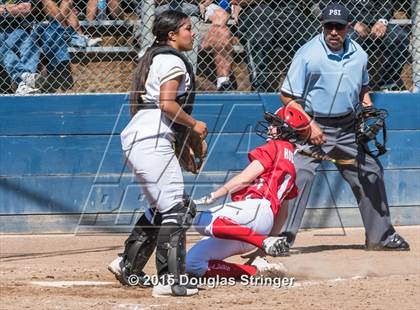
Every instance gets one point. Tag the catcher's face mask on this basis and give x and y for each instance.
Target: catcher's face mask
(274, 128)
(370, 122)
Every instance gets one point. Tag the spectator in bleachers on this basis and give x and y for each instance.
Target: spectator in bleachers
(18, 54)
(386, 44)
(218, 38)
(113, 8)
(64, 12)
(51, 37)
(266, 25)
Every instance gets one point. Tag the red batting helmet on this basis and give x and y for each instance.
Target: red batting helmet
(290, 123)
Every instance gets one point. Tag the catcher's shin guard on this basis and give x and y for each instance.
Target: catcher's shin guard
(170, 252)
(139, 246)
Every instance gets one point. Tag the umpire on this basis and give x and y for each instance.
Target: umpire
(328, 78)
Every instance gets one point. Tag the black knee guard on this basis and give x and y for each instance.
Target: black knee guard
(140, 245)
(170, 253)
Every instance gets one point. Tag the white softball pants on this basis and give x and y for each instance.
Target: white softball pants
(253, 213)
(158, 171)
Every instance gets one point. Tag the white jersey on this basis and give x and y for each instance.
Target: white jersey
(149, 123)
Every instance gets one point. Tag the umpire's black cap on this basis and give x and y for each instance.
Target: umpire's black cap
(335, 13)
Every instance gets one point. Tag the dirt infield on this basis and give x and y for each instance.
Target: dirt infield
(331, 272)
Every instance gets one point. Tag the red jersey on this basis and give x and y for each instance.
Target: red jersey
(277, 182)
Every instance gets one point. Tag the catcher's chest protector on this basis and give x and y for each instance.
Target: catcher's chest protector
(186, 100)
(189, 148)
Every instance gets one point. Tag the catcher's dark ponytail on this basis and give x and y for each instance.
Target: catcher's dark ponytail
(166, 22)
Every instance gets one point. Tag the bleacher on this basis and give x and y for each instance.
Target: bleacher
(108, 67)
(126, 47)
(111, 28)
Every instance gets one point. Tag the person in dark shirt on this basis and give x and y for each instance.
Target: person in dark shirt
(266, 25)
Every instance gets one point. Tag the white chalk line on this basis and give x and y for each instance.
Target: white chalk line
(137, 306)
(142, 306)
(298, 284)
(70, 283)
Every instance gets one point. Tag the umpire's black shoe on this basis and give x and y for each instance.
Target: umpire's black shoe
(393, 243)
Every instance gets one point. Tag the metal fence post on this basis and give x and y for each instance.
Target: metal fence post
(416, 45)
(147, 15)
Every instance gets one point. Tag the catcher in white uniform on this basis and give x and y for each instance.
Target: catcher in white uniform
(160, 105)
(257, 193)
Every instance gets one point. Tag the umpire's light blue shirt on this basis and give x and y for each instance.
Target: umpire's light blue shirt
(329, 83)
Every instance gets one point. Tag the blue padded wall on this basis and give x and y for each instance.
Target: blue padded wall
(62, 169)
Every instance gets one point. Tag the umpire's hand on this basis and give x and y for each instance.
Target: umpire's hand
(317, 136)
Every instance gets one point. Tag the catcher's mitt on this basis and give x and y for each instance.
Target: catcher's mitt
(190, 149)
(370, 121)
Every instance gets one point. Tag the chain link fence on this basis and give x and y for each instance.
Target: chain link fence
(79, 46)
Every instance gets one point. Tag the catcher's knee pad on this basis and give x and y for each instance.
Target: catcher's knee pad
(170, 252)
(140, 246)
(182, 214)
(190, 212)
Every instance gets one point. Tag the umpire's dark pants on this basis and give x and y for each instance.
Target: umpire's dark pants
(365, 177)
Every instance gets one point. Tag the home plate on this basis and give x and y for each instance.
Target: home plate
(70, 283)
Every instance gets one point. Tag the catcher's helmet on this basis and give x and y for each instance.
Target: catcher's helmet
(370, 121)
(286, 123)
